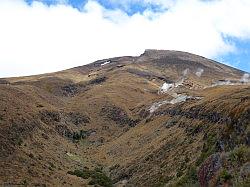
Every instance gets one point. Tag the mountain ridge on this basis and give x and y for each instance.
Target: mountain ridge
(164, 118)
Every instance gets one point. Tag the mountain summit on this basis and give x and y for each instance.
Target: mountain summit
(164, 118)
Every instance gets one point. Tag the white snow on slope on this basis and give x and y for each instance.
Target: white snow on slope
(178, 99)
(105, 63)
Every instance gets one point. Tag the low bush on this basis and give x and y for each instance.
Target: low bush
(209, 148)
(240, 155)
(96, 175)
(225, 176)
(189, 179)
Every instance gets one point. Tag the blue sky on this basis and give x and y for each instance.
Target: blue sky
(51, 35)
(134, 6)
(240, 58)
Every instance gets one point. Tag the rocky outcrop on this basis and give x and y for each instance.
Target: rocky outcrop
(77, 118)
(3, 81)
(149, 75)
(50, 116)
(209, 169)
(118, 115)
(97, 80)
(70, 90)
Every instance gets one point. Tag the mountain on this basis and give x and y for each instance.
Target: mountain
(164, 118)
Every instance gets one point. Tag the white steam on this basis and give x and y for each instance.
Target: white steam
(185, 72)
(245, 78)
(167, 87)
(199, 72)
(223, 82)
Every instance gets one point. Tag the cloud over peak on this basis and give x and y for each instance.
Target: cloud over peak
(37, 38)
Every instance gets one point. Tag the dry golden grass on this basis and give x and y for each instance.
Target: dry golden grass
(38, 151)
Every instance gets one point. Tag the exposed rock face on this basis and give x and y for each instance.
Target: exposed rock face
(70, 90)
(50, 116)
(209, 169)
(149, 75)
(3, 81)
(77, 118)
(118, 115)
(98, 80)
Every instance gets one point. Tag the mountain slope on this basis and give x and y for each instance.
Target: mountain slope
(162, 118)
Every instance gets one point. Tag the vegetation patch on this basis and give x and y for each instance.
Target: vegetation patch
(80, 135)
(118, 115)
(74, 157)
(240, 155)
(209, 147)
(97, 176)
(69, 90)
(189, 179)
(163, 180)
(50, 116)
(98, 80)
(77, 136)
(77, 118)
(225, 176)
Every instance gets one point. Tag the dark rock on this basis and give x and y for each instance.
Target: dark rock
(209, 169)
(118, 115)
(193, 129)
(170, 123)
(64, 131)
(220, 146)
(144, 113)
(69, 90)
(50, 116)
(149, 75)
(245, 171)
(98, 80)
(77, 118)
(3, 81)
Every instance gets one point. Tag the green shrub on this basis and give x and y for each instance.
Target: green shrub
(225, 176)
(19, 141)
(52, 165)
(97, 176)
(24, 182)
(240, 154)
(208, 149)
(189, 179)
(85, 173)
(101, 179)
(162, 181)
(79, 135)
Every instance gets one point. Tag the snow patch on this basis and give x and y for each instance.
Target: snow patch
(157, 105)
(105, 63)
(178, 99)
(166, 87)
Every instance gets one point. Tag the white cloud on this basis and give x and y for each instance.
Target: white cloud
(37, 38)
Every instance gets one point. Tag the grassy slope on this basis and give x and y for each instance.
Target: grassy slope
(39, 115)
